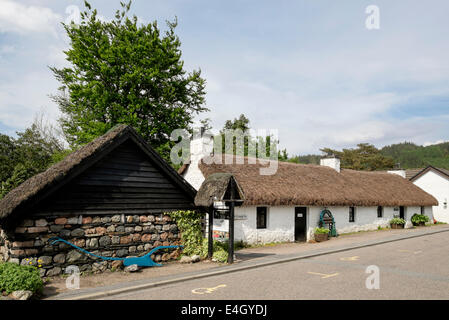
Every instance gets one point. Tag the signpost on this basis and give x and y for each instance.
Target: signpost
(221, 200)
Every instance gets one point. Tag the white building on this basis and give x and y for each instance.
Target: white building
(286, 206)
(434, 181)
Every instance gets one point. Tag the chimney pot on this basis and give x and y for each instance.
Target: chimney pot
(332, 162)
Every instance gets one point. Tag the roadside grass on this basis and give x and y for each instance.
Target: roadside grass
(243, 245)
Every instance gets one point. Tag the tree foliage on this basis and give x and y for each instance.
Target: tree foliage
(410, 155)
(8, 156)
(245, 144)
(364, 157)
(33, 151)
(306, 159)
(123, 72)
(406, 155)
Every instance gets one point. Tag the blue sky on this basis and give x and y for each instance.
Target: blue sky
(309, 68)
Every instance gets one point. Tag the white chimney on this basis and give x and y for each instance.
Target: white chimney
(332, 162)
(201, 145)
(399, 172)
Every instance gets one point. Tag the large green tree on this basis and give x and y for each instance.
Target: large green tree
(124, 72)
(364, 157)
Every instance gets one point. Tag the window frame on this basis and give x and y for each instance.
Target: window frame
(265, 226)
(351, 214)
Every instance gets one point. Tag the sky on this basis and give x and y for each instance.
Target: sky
(310, 69)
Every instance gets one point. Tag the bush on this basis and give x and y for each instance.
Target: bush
(397, 221)
(220, 255)
(14, 277)
(417, 218)
(321, 231)
(189, 223)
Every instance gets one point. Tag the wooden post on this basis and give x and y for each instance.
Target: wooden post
(231, 225)
(210, 239)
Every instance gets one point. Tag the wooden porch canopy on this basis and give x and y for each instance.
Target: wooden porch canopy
(220, 187)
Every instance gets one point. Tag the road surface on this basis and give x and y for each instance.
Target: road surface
(416, 268)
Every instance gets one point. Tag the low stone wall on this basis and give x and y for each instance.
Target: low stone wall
(108, 236)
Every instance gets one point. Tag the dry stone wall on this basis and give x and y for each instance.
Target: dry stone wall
(107, 235)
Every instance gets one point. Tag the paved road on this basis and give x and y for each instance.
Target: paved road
(416, 268)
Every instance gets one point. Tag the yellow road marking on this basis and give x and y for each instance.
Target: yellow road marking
(350, 258)
(409, 251)
(323, 275)
(207, 290)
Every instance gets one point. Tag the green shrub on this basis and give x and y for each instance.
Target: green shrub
(189, 223)
(14, 277)
(220, 250)
(417, 218)
(321, 231)
(397, 221)
(220, 255)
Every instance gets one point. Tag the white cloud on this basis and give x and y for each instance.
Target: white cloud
(20, 100)
(6, 50)
(22, 19)
(426, 144)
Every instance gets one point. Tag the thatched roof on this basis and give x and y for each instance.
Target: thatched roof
(41, 185)
(216, 187)
(300, 184)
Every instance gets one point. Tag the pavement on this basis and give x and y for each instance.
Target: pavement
(285, 260)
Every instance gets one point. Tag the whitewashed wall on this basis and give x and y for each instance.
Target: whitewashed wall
(365, 218)
(280, 225)
(281, 221)
(438, 186)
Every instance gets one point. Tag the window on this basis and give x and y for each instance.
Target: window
(380, 211)
(351, 214)
(261, 217)
(422, 210)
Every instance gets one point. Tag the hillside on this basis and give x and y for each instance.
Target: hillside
(410, 155)
(407, 154)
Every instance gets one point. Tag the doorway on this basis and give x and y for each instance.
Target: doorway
(402, 212)
(300, 224)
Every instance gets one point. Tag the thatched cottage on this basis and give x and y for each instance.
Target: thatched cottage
(286, 206)
(109, 198)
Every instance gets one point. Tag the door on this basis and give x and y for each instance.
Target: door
(402, 212)
(300, 223)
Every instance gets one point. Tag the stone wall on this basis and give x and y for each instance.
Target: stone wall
(109, 236)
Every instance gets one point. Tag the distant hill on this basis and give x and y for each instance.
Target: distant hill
(407, 154)
(410, 155)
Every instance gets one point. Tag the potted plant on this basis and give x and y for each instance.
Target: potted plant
(419, 219)
(397, 223)
(321, 234)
